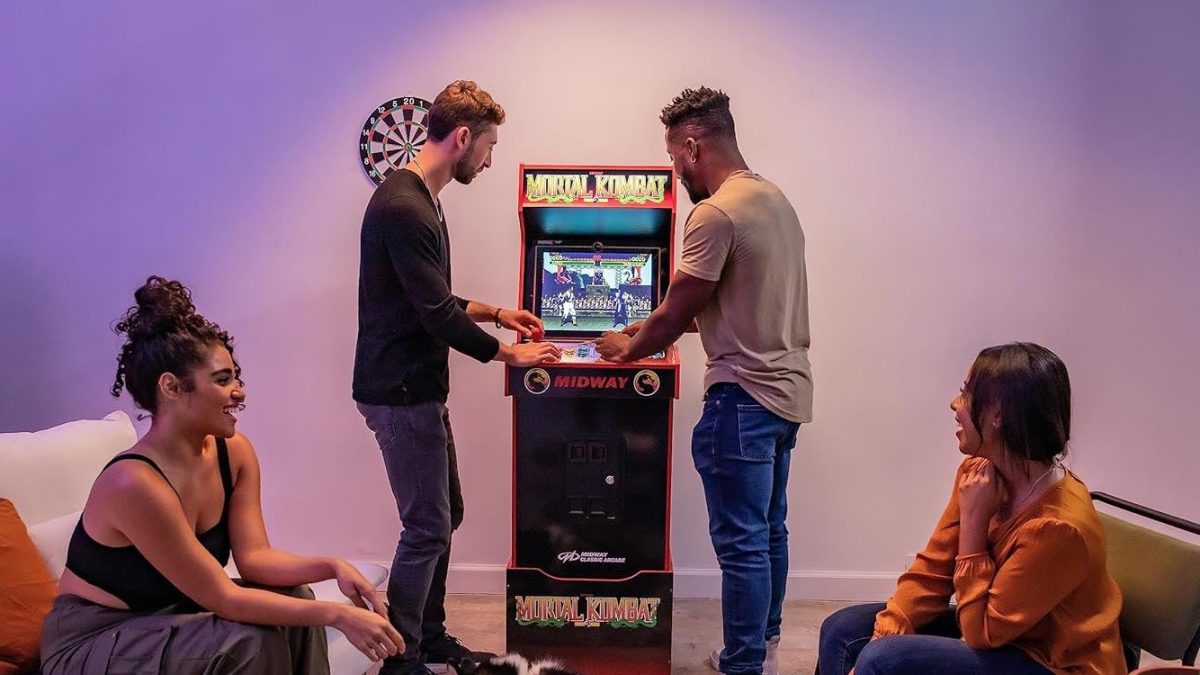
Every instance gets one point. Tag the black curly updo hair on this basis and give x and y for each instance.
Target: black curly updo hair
(164, 334)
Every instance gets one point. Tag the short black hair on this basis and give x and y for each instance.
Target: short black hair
(703, 111)
(1030, 385)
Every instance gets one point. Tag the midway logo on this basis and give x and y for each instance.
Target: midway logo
(590, 381)
(590, 557)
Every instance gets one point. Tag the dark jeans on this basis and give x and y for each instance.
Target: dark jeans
(742, 452)
(418, 453)
(846, 643)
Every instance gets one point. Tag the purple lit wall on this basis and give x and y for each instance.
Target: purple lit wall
(1133, 271)
(968, 173)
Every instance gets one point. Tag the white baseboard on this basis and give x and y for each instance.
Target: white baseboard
(706, 583)
(486, 579)
(801, 584)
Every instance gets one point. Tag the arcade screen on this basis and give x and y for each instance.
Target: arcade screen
(585, 291)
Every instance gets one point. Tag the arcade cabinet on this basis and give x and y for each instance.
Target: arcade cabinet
(589, 578)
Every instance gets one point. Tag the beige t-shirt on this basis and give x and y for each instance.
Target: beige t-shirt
(747, 238)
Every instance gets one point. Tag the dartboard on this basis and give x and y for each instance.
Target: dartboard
(393, 135)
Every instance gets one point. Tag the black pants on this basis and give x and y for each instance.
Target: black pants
(422, 466)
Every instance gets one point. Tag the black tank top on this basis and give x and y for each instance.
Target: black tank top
(124, 572)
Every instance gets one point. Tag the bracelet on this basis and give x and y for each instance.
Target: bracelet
(496, 318)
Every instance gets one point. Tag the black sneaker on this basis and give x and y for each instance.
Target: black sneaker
(447, 651)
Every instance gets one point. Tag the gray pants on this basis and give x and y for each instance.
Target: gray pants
(80, 636)
(422, 467)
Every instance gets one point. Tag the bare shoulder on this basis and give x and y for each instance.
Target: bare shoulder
(241, 455)
(129, 476)
(133, 487)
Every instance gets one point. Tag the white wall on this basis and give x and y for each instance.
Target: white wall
(967, 174)
(1133, 308)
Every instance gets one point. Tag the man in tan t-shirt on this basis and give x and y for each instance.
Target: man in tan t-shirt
(741, 282)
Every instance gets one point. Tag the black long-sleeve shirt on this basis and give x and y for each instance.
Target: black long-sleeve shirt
(407, 317)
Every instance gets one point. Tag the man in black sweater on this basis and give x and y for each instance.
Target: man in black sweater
(408, 320)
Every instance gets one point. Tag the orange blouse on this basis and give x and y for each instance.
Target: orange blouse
(1042, 586)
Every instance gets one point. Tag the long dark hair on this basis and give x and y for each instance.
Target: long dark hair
(1030, 386)
(163, 334)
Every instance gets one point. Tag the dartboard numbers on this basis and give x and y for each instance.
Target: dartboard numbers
(393, 135)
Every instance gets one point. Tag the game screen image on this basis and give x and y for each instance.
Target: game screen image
(589, 292)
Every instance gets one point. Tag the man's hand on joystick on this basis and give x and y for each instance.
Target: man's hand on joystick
(528, 353)
(613, 346)
(521, 320)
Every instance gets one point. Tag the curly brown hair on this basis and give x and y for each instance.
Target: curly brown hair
(703, 111)
(463, 104)
(164, 334)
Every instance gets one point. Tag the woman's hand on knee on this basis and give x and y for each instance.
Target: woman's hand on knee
(369, 632)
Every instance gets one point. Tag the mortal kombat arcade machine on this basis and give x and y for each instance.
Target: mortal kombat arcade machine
(589, 578)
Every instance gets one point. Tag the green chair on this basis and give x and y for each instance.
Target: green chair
(1159, 576)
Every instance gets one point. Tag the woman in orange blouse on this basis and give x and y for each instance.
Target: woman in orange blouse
(1019, 544)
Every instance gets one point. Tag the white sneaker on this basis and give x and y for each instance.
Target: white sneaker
(770, 664)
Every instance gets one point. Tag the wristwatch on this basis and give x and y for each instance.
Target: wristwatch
(496, 318)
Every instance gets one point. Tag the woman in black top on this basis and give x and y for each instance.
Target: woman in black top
(145, 584)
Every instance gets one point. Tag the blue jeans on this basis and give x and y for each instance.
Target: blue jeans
(419, 455)
(846, 643)
(742, 452)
